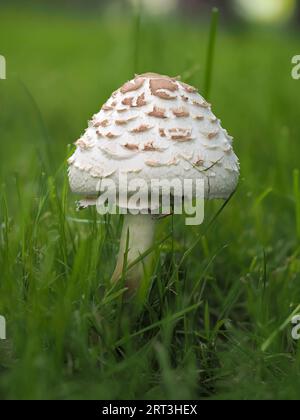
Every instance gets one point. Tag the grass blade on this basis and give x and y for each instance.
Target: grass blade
(137, 36)
(211, 52)
(199, 238)
(47, 154)
(175, 317)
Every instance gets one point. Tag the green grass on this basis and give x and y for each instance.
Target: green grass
(215, 321)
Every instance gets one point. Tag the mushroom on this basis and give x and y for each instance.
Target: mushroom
(167, 131)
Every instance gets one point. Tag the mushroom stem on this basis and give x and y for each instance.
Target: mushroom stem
(138, 230)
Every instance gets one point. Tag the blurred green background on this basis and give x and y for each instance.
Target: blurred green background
(216, 326)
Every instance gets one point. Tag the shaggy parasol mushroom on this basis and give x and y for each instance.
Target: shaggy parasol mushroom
(153, 127)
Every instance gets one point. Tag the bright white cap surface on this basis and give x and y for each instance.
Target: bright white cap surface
(155, 127)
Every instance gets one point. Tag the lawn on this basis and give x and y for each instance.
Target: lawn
(214, 323)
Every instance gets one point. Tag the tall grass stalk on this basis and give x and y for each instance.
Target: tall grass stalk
(137, 36)
(211, 52)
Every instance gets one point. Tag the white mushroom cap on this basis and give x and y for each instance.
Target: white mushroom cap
(155, 127)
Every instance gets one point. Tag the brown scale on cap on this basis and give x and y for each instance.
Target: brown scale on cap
(107, 108)
(159, 86)
(99, 173)
(199, 117)
(228, 149)
(128, 101)
(188, 88)
(164, 95)
(212, 135)
(199, 161)
(162, 132)
(103, 123)
(180, 134)
(83, 144)
(180, 130)
(181, 137)
(132, 86)
(99, 134)
(132, 171)
(141, 100)
(122, 122)
(196, 103)
(111, 135)
(163, 83)
(141, 129)
(131, 146)
(203, 104)
(181, 112)
(158, 112)
(150, 147)
(153, 163)
(157, 163)
(125, 121)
